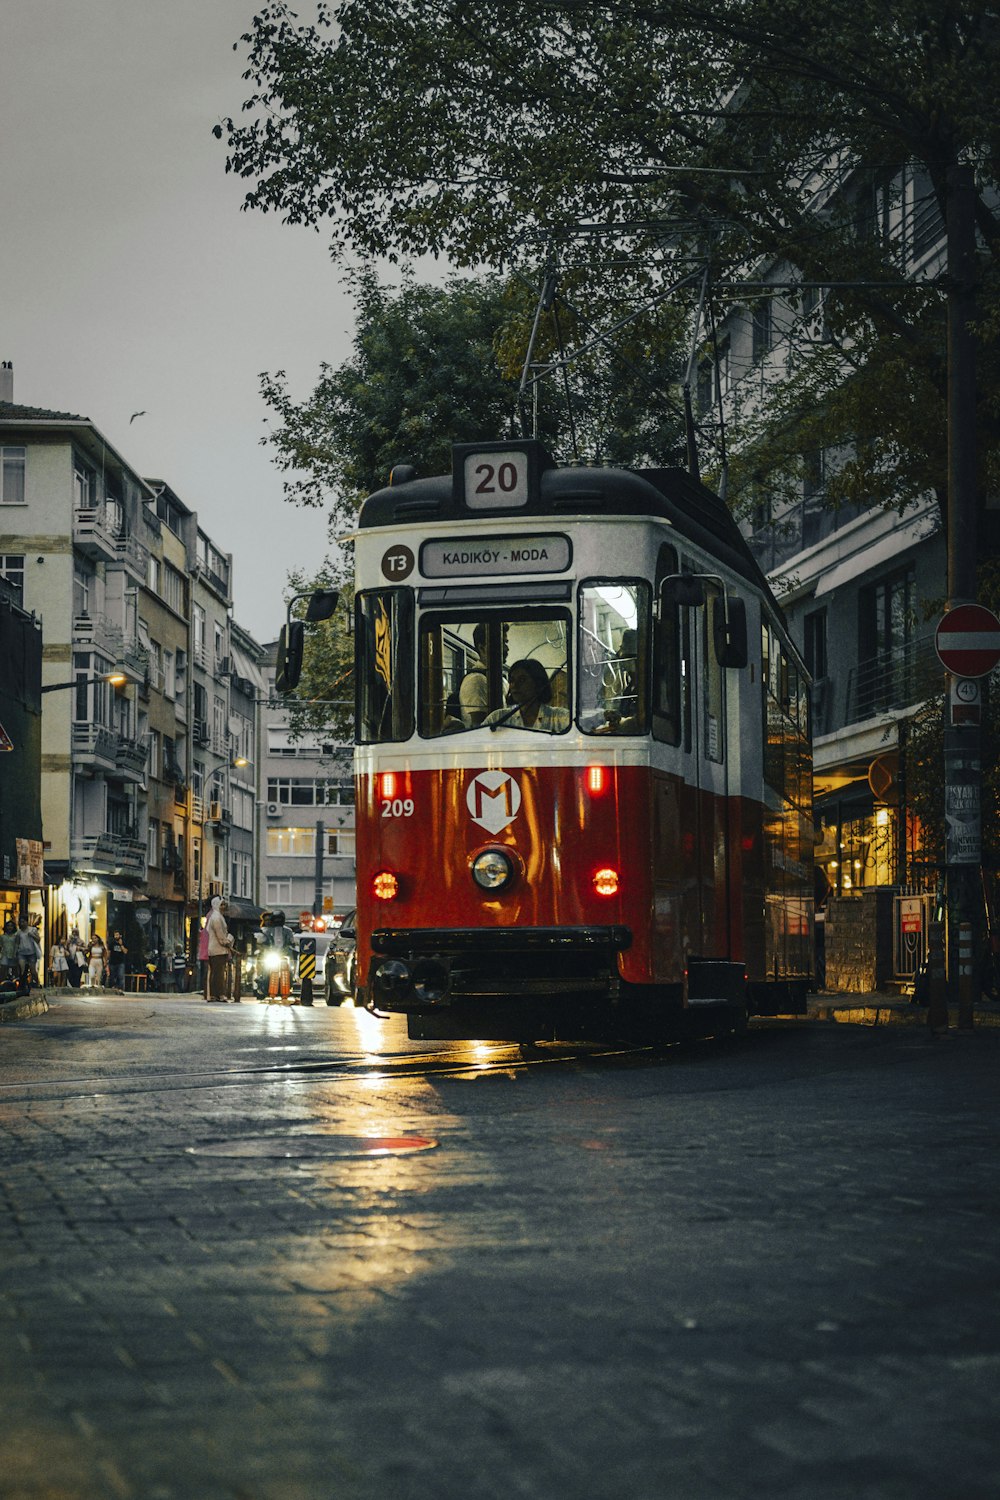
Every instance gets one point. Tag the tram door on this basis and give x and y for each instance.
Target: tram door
(691, 803)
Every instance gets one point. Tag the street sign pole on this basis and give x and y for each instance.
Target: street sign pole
(967, 641)
(963, 777)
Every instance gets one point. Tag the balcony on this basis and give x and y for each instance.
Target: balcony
(95, 746)
(130, 759)
(101, 633)
(130, 551)
(895, 680)
(109, 854)
(94, 535)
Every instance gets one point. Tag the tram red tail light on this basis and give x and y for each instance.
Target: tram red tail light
(596, 779)
(385, 886)
(606, 882)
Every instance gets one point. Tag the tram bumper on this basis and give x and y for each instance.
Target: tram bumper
(423, 970)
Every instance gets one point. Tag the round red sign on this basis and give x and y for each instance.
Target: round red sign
(968, 640)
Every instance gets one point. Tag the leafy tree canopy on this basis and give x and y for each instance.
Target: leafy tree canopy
(634, 139)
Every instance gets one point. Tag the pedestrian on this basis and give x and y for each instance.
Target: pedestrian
(8, 953)
(96, 955)
(75, 960)
(203, 955)
(178, 966)
(220, 944)
(29, 955)
(58, 964)
(118, 953)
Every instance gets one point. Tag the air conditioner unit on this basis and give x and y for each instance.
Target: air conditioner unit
(215, 812)
(273, 809)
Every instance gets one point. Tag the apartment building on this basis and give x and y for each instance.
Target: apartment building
(148, 791)
(306, 850)
(861, 586)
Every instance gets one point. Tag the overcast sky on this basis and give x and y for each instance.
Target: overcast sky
(132, 281)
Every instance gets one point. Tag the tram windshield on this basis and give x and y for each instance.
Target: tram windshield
(505, 671)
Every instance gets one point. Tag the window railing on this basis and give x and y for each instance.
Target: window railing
(896, 679)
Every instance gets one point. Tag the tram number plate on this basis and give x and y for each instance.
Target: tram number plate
(397, 807)
(496, 480)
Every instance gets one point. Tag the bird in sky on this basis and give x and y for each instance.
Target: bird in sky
(134, 415)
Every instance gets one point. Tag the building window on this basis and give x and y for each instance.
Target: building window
(278, 892)
(12, 573)
(762, 327)
(12, 466)
(153, 843)
(173, 589)
(340, 842)
(153, 574)
(886, 664)
(293, 842)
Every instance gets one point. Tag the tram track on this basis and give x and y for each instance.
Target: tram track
(404, 1066)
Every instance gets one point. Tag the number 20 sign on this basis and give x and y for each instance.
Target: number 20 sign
(496, 480)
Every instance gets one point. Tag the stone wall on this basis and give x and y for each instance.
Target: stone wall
(859, 941)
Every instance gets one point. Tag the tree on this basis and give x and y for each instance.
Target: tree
(727, 128)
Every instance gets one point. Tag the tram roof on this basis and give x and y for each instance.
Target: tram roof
(695, 511)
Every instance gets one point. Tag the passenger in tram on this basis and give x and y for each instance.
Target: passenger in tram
(474, 689)
(619, 696)
(529, 694)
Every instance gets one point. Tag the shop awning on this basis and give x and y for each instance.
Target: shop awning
(241, 911)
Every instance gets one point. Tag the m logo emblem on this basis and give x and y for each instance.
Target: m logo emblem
(493, 800)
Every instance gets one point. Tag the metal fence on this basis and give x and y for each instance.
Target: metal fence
(912, 914)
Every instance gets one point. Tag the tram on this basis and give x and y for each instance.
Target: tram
(583, 772)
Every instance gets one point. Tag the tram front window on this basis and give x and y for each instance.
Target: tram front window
(613, 656)
(507, 671)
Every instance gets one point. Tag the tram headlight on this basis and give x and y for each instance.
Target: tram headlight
(385, 886)
(492, 870)
(606, 882)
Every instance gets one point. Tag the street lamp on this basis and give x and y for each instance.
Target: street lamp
(117, 678)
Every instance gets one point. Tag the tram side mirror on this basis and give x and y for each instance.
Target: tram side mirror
(322, 605)
(682, 589)
(291, 642)
(729, 631)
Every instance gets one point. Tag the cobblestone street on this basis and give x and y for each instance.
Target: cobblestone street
(281, 1254)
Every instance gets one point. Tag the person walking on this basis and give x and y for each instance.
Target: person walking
(96, 955)
(75, 960)
(29, 956)
(220, 944)
(8, 953)
(116, 964)
(58, 964)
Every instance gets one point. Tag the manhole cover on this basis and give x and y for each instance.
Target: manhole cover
(292, 1146)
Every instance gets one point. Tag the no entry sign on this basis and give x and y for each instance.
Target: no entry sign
(968, 640)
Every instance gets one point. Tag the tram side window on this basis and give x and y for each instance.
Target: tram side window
(501, 671)
(613, 657)
(384, 666)
(666, 659)
(714, 703)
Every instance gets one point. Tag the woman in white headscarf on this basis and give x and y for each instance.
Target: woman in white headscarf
(220, 942)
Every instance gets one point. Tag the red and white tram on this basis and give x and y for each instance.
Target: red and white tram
(583, 764)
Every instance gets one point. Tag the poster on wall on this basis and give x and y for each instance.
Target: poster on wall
(30, 871)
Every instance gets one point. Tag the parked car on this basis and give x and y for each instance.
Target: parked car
(341, 960)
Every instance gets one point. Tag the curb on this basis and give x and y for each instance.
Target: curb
(874, 1010)
(23, 1006)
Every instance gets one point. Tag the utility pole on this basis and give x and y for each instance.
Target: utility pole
(962, 744)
